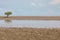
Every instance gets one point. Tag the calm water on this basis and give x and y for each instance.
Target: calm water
(30, 23)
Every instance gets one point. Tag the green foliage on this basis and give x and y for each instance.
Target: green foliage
(8, 13)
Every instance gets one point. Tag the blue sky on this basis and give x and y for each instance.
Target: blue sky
(30, 7)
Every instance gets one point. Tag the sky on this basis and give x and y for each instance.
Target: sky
(30, 7)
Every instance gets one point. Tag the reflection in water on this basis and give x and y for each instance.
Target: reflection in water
(30, 23)
(8, 21)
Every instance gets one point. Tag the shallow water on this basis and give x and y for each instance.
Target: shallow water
(30, 23)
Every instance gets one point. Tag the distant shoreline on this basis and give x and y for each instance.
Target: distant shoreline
(30, 18)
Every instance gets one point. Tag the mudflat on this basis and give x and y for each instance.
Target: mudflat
(29, 34)
(30, 18)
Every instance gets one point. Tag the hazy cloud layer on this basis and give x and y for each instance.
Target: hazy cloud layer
(55, 2)
(31, 7)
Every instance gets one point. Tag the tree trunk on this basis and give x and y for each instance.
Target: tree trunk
(7, 16)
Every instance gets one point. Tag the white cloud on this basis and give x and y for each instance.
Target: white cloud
(55, 2)
(37, 4)
(34, 4)
(1, 9)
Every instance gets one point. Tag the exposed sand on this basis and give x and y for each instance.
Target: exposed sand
(29, 34)
(30, 18)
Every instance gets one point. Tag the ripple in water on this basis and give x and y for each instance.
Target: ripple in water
(30, 23)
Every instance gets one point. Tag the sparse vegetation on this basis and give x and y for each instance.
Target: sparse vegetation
(8, 13)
